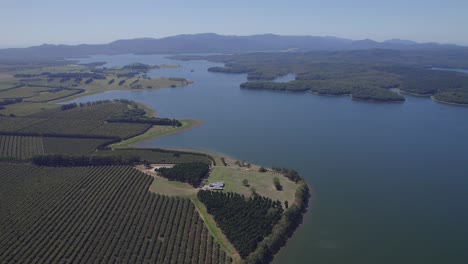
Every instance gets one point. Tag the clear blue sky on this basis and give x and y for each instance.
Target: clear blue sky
(33, 22)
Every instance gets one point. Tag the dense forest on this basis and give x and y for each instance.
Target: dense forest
(192, 172)
(366, 75)
(245, 221)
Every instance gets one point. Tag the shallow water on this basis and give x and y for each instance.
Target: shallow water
(390, 181)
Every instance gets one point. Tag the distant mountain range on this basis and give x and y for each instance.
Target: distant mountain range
(214, 43)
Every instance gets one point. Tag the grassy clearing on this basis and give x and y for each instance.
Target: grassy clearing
(233, 177)
(155, 132)
(171, 188)
(26, 108)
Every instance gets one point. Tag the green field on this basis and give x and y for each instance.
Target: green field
(156, 132)
(66, 82)
(96, 112)
(171, 188)
(51, 96)
(263, 182)
(26, 108)
(56, 69)
(97, 215)
(23, 92)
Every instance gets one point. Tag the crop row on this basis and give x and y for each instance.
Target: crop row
(70, 127)
(25, 147)
(20, 147)
(96, 215)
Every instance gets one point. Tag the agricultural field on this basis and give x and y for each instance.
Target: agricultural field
(51, 96)
(23, 92)
(96, 111)
(56, 69)
(12, 124)
(97, 215)
(7, 82)
(25, 147)
(26, 108)
(71, 146)
(120, 130)
(20, 147)
(63, 127)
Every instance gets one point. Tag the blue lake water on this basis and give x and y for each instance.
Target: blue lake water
(389, 181)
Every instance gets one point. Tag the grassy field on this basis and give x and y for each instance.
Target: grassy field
(26, 108)
(7, 81)
(155, 132)
(56, 69)
(23, 92)
(99, 86)
(233, 177)
(43, 97)
(171, 188)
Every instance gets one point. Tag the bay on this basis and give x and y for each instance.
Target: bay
(389, 181)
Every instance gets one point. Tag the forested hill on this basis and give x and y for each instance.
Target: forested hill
(213, 43)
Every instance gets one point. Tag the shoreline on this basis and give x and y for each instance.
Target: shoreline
(188, 124)
(151, 134)
(447, 103)
(434, 99)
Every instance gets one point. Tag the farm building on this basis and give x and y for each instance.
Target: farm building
(217, 185)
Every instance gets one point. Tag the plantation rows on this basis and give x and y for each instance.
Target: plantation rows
(25, 147)
(96, 111)
(70, 127)
(96, 215)
(20, 147)
(246, 222)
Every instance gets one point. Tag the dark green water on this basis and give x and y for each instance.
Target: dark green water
(390, 181)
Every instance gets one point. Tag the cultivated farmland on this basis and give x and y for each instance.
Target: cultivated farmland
(20, 147)
(97, 215)
(25, 147)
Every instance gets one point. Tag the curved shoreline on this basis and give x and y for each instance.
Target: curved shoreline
(151, 134)
(433, 99)
(448, 103)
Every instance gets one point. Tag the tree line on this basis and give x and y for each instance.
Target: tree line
(192, 173)
(138, 115)
(58, 160)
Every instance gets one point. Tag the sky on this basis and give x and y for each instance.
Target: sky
(32, 22)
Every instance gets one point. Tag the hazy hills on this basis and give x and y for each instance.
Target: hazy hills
(213, 43)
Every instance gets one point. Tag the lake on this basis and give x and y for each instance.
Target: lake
(389, 181)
